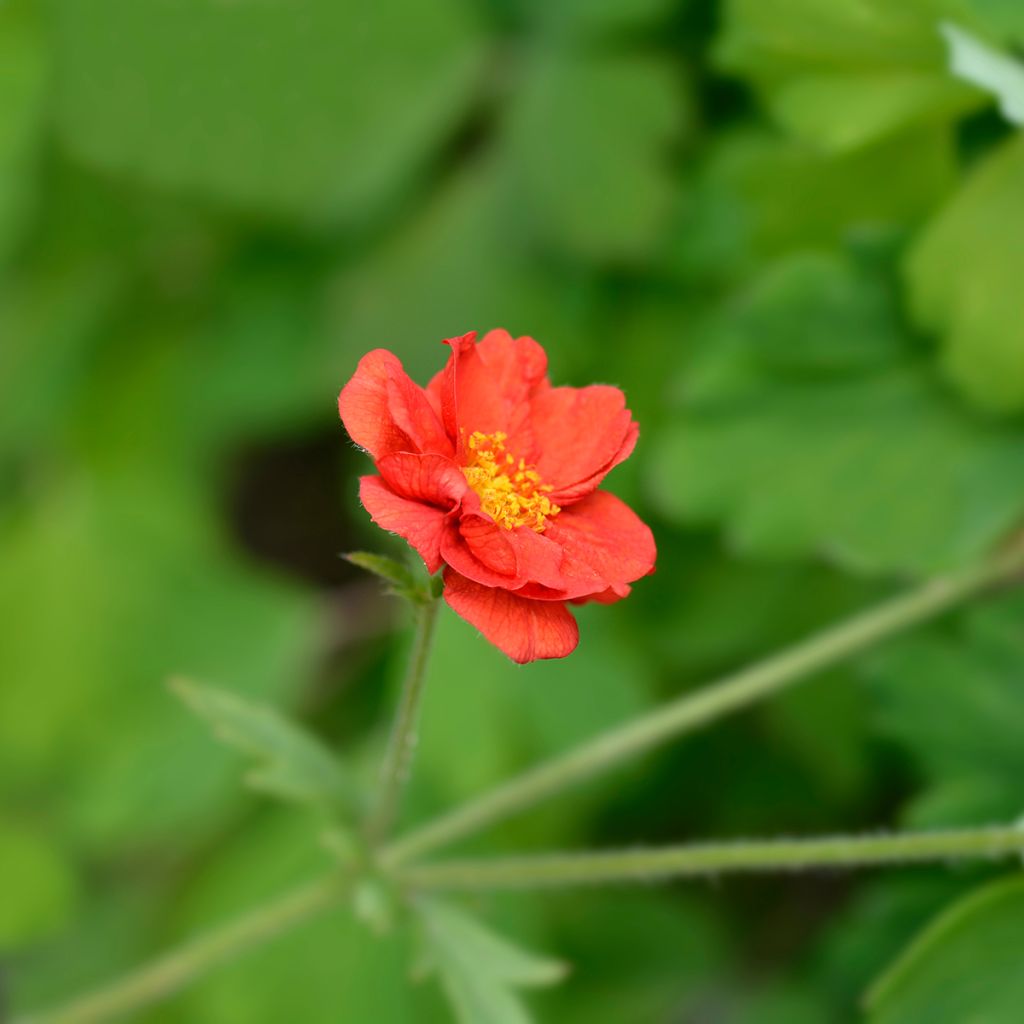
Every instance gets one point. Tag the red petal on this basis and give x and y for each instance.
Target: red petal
(421, 525)
(487, 387)
(496, 557)
(525, 630)
(433, 479)
(384, 411)
(582, 434)
(602, 539)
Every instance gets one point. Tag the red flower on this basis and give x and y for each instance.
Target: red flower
(493, 473)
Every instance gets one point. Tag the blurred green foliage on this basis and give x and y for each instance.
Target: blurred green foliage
(786, 229)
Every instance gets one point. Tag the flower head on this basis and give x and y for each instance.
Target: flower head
(493, 473)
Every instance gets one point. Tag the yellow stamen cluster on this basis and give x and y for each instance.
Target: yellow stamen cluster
(510, 491)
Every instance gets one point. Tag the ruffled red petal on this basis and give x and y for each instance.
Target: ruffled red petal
(582, 434)
(604, 544)
(421, 525)
(487, 386)
(433, 479)
(384, 411)
(490, 555)
(525, 630)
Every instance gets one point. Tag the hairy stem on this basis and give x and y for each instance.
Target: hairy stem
(642, 865)
(692, 711)
(175, 970)
(398, 758)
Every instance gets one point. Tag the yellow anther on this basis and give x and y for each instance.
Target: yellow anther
(511, 501)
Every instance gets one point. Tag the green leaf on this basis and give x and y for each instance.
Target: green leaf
(982, 65)
(844, 73)
(964, 275)
(874, 465)
(480, 970)
(404, 582)
(321, 112)
(965, 966)
(585, 148)
(290, 762)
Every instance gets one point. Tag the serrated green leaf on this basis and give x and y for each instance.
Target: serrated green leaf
(585, 148)
(876, 467)
(403, 580)
(322, 111)
(479, 969)
(984, 66)
(965, 966)
(964, 276)
(290, 763)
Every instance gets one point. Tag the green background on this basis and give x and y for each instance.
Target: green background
(792, 237)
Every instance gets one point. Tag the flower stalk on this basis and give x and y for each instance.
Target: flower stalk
(702, 859)
(402, 744)
(692, 711)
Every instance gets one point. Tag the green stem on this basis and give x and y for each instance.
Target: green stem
(398, 758)
(174, 970)
(715, 858)
(692, 711)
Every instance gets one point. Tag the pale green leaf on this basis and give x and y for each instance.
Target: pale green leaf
(479, 969)
(964, 278)
(965, 966)
(290, 763)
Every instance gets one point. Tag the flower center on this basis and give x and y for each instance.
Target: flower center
(510, 491)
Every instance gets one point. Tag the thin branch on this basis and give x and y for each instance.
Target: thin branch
(710, 859)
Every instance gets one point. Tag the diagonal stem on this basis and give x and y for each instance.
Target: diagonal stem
(649, 865)
(693, 711)
(402, 743)
(180, 967)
